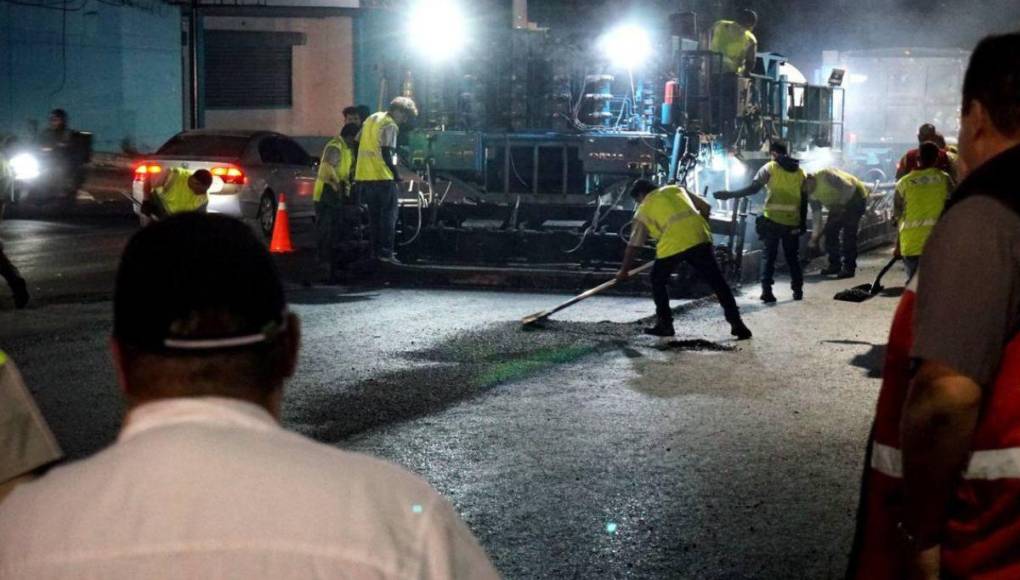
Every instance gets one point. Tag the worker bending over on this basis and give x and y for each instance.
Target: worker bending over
(736, 42)
(920, 198)
(179, 191)
(678, 220)
(845, 198)
(784, 217)
(332, 192)
(376, 176)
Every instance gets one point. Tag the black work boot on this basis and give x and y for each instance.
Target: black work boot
(846, 273)
(663, 327)
(798, 294)
(830, 270)
(767, 296)
(739, 329)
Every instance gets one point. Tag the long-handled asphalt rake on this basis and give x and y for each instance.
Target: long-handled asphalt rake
(533, 318)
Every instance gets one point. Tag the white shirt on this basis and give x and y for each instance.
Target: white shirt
(26, 442)
(215, 488)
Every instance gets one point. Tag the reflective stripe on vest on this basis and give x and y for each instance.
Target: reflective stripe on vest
(982, 532)
(732, 41)
(924, 194)
(371, 166)
(982, 465)
(673, 220)
(177, 196)
(336, 175)
(784, 194)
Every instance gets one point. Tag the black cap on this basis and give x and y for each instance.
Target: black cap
(197, 282)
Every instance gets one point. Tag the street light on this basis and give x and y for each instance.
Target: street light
(437, 29)
(626, 46)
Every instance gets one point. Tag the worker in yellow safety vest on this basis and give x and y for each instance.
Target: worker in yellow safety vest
(376, 176)
(332, 192)
(736, 42)
(784, 218)
(179, 191)
(920, 198)
(678, 220)
(844, 197)
(27, 444)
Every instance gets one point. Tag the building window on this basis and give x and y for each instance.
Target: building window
(248, 69)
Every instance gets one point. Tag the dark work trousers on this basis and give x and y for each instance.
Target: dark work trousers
(381, 199)
(7, 270)
(841, 234)
(772, 235)
(911, 262)
(700, 258)
(329, 224)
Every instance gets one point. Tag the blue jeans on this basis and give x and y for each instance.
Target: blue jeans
(381, 199)
(772, 235)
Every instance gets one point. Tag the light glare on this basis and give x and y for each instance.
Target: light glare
(627, 46)
(25, 167)
(437, 29)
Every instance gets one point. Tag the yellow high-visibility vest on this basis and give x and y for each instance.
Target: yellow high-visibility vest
(339, 175)
(370, 166)
(782, 205)
(732, 40)
(833, 196)
(672, 218)
(176, 196)
(924, 194)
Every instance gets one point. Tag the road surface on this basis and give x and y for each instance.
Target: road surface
(580, 449)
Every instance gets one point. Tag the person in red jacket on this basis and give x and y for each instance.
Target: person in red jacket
(942, 485)
(911, 160)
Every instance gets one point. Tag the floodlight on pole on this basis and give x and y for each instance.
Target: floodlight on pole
(437, 29)
(627, 46)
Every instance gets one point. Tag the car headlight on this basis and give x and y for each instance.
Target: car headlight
(25, 167)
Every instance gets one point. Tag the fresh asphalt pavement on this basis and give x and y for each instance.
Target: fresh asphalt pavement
(578, 449)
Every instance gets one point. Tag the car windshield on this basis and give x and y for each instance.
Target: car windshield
(204, 146)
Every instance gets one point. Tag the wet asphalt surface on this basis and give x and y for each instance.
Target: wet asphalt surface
(576, 449)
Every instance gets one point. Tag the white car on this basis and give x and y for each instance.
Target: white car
(251, 170)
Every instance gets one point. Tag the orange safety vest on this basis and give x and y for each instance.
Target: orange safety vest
(982, 534)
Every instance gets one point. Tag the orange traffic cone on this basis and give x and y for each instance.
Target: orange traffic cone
(280, 243)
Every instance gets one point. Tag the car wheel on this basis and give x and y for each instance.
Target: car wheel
(267, 214)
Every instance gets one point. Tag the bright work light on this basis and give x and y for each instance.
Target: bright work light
(25, 167)
(437, 29)
(626, 46)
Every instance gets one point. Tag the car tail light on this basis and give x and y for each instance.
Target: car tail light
(144, 170)
(229, 174)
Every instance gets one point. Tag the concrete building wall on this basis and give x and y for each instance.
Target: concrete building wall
(115, 69)
(323, 77)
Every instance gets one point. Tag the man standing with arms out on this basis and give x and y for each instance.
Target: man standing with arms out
(784, 218)
(736, 42)
(332, 192)
(943, 483)
(911, 160)
(845, 197)
(678, 220)
(920, 198)
(376, 176)
(203, 482)
(70, 151)
(19, 288)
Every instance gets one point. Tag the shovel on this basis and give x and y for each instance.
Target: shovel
(865, 291)
(533, 318)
